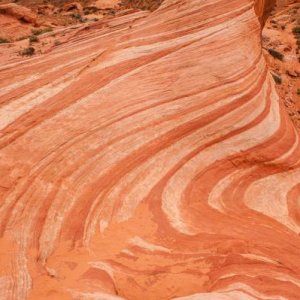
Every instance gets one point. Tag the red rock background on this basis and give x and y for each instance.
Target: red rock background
(148, 156)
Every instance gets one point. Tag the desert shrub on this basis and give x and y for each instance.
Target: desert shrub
(3, 40)
(57, 42)
(142, 4)
(28, 51)
(77, 17)
(296, 30)
(40, 31)
(22, 38)
(33, 39)
(277, 78)
(276, 54)
(90, 10)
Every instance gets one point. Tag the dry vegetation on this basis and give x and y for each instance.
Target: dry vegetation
(138, 4)
(142, 4)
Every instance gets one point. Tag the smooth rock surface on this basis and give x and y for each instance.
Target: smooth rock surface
(150, 159)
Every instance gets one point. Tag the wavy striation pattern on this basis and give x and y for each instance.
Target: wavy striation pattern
(150, 159)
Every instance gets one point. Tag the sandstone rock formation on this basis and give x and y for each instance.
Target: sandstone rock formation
(104, 4)
(284, 63)
(20, 12)
(73, 6)
(150, 159)
(15, 21)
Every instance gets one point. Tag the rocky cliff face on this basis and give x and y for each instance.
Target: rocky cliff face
(149, 158)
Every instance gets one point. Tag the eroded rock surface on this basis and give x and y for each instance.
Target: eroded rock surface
(19, 12)
(281, 44)
(15, 21)
(149, 157)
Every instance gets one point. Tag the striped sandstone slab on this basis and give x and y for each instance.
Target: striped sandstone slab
(150, 159)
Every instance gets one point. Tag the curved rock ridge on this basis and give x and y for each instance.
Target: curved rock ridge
(263, 8)
(150, 159)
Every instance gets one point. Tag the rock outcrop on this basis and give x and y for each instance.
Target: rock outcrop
(150, 159)
(15, 21)
(105, 4)
(282, 52)
(19, 12)
(73, 6)
(263, 8)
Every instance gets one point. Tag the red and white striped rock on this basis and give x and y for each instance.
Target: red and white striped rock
(150, 159)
